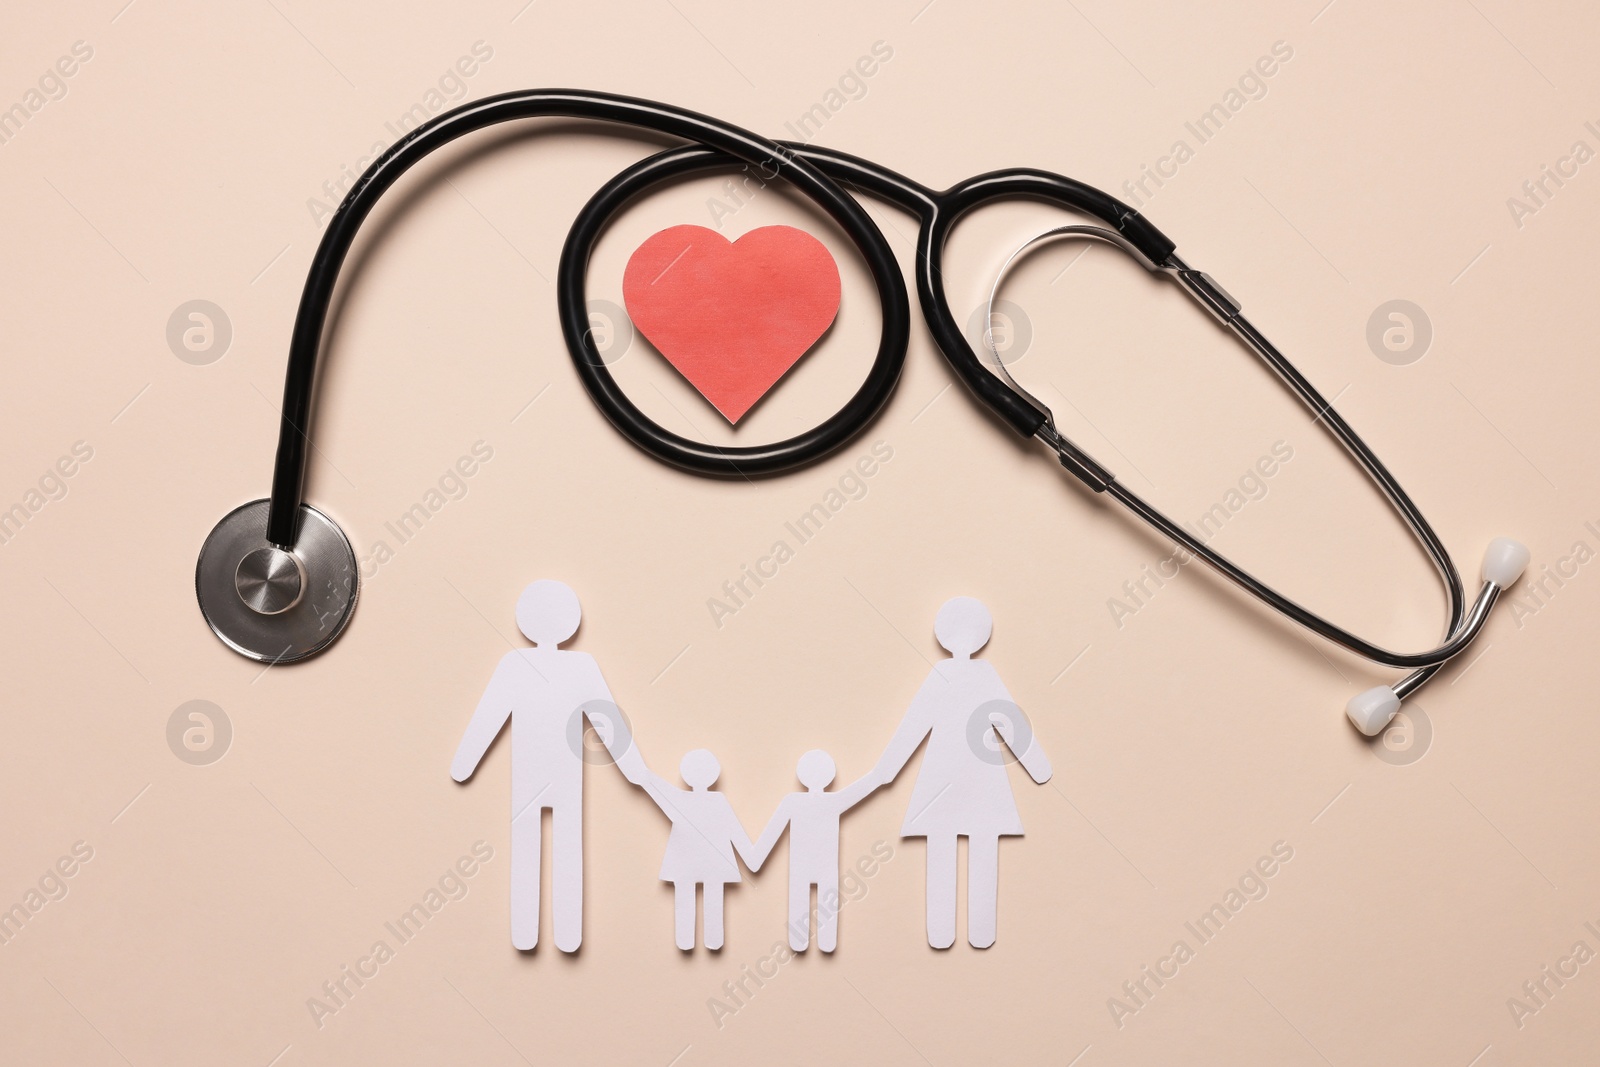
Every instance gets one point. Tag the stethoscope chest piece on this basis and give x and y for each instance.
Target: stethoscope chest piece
(273, 604)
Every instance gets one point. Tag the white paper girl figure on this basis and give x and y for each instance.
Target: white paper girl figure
(962, 789)
(700, 849)
(812, 819)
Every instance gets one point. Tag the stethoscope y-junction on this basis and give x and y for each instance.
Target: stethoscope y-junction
(277, 579)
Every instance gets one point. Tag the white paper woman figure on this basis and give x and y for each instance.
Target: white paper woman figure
(962, 789)
(547, 693)
(705, 835)
(812, 819)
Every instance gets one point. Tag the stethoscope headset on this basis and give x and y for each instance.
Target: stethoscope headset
(277, 579)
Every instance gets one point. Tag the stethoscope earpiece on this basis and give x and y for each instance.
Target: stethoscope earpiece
(1503, 563)
(1373, 710)
(271, 603)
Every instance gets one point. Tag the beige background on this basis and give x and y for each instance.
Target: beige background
(1420, 896)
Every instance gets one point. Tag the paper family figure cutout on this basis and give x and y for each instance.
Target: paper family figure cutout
(962, 711)
(705, 835)
(732, 317)
(962, 789)
(542, 690)
(812, 819)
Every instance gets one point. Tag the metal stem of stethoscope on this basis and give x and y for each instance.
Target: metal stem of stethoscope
(277, 579)
(1463, 625)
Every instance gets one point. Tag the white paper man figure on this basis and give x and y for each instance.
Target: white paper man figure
(544, 692)
(700, 849)
(812, 819)
(962, 789)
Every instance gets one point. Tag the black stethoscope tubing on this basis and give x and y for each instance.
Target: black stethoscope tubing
(820, 175)
(815, 172)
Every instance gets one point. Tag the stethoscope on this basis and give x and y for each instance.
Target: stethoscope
(277, 579)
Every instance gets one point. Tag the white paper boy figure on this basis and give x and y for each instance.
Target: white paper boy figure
(543, 690)
(812, 819)
(705, 835)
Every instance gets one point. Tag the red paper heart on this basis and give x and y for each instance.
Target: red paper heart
(732, 317)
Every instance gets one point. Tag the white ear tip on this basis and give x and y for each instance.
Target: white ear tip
(1371, 711)
(1504, 561)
